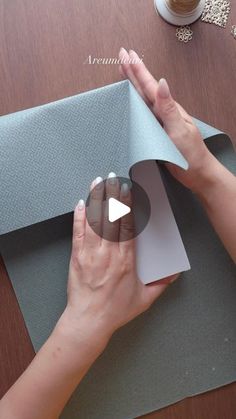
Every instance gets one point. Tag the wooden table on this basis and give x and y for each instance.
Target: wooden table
(43, 47)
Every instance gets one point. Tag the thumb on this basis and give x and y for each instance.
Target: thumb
(166, 108)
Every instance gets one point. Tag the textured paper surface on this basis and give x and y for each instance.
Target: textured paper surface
(186, 343)
(50, 154)
(56, 151)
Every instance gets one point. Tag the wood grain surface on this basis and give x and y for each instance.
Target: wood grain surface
(43, 48)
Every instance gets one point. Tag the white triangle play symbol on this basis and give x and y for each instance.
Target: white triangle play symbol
(116, 210)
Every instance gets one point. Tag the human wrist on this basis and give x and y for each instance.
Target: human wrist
(207, 176)
(81, 333)
(217, 180)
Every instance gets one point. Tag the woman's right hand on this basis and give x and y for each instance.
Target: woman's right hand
(206, 176)
(175, 120)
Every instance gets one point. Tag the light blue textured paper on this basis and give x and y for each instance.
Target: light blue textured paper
(50, 154)
(186, 343)
(56, 150)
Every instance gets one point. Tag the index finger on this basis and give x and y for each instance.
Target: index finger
(143, 76)
(136, 71)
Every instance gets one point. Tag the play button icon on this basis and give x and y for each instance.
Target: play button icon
(112, 203)
(116, 210)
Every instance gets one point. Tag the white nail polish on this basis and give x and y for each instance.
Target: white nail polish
(111, 174)
(81, 204)
(112, 178)
(98, 182)
(124, 189)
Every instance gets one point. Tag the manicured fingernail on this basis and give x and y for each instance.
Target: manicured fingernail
(112, 178)
(98, 182)
(163, 89)
(134, 56)
(124, 189)
(124, 56)
(81, 204)
(123, 51)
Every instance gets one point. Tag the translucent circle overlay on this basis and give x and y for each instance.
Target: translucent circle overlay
(127, 227)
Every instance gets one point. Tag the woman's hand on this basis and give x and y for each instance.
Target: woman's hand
(206, 176)
(176, 122)
(104, 291)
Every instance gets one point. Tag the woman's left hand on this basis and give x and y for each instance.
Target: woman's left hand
(104, 291)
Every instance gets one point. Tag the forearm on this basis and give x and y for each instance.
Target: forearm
(217, 194)
(45, 387)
